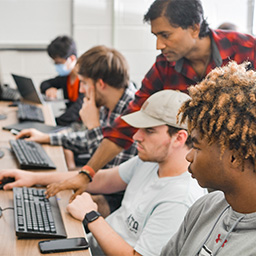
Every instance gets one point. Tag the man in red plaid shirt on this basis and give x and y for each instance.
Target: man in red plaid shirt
(190, 50)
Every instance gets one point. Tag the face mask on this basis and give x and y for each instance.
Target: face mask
(62, 69)
(65, 68)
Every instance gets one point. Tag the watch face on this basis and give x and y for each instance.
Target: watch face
(91, 216)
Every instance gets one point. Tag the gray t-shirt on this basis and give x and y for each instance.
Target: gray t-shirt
(212, 227)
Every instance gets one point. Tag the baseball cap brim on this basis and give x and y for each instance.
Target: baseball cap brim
(139, 119)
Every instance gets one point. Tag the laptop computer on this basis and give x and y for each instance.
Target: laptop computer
(39, 126)
(27, 89)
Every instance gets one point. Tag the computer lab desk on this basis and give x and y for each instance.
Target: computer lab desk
(9, 244)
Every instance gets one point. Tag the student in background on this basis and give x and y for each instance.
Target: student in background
(228, 26)
(104, 80)
(190, 50)
(221, 119)
(158, 187)
(63, 51)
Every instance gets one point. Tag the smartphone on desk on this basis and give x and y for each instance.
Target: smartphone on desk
(63, 245)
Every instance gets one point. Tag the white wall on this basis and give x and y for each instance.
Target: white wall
(93, 24)
(117, 23)
(219, 11)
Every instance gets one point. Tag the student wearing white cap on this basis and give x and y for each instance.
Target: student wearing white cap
(159, 190)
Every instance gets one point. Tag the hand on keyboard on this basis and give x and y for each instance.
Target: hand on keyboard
(51, 93)
(78, 183)
(34, 135)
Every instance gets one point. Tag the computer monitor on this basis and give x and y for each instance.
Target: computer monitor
(27, 89)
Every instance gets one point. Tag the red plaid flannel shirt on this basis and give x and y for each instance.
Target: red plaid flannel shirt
(226, 46)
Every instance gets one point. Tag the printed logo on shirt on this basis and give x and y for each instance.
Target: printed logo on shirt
(133, 225)
(220, 240)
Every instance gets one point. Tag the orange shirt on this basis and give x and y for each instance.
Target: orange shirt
(73, 89)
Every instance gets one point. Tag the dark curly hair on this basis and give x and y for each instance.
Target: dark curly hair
(223, 109)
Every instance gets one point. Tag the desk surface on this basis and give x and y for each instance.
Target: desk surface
(9, 244)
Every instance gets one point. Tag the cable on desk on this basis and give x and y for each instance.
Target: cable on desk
(3, 209)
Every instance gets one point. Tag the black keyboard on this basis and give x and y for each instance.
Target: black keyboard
(9, 94)
(35, 215)
(31, 155)
(28, 112)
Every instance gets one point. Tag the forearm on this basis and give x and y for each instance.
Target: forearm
(57, 82)
(106, 182)
(46, 178)
(106, 151)
(75, 141)
(110, 242)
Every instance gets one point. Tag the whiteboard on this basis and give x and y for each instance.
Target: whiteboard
(33, 23)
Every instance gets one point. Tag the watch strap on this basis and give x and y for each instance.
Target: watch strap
(87, 174)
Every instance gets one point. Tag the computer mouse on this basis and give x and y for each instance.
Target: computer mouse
(5, 181)
(14, 104)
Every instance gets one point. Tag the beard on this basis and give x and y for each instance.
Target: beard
(99, 100)
(152, 157)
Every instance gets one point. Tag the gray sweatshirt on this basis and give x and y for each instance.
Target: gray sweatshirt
(212, 227)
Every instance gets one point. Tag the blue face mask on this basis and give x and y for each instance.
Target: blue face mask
(62, 69)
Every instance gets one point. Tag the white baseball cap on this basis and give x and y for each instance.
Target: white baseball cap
(160, 108)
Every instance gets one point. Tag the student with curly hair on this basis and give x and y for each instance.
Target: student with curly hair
(221, 117)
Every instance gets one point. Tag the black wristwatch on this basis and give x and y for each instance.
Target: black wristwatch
(90, 217)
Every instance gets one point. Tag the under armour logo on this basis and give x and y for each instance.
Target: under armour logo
(219, 240)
